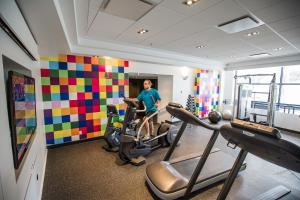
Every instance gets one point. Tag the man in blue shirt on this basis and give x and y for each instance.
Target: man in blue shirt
(151, 99)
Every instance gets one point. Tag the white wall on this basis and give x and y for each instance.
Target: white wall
(227, 83)
(1, 190)
(165, 88)
(36, 157)
(181, 88)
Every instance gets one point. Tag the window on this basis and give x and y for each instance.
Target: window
(291, 74)
(290, 87)
(290, 94)
(287, 91)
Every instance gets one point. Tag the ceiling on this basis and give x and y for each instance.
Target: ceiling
(174, 29)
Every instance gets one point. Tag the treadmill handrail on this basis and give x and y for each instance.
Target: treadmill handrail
(275, 150)
(189, 118)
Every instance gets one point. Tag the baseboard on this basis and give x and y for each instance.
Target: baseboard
(288, 130)
(75, 142)
(43, 175)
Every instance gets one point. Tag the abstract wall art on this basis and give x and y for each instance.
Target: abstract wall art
(76, 90)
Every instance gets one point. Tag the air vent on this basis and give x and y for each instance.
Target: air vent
(260, 55)
(238, 25)
(129, 9)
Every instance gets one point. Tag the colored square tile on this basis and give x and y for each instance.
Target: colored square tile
(57, 127)
(63, 81)
(71, 58)
(79, 59)
(54, 81)
(87, 60)
(95, 60)
(72, 88)
(87, 67)
(45, 81)
(63, 65)
(55, 88)
(62, 58)
(72, 74)
(88, 95)
(53, 65)
(79, 67)
(80, 81)
(54, 73)
(63, 73)
(46, 89)
(45, 72)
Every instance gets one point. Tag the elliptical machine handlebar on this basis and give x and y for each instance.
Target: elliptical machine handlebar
(146, 120)
(133, 102)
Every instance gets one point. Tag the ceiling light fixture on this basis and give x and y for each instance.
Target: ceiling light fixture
(201, 46)
(239, 24)
(253, 34)
(260, 55)
(278, 49)
(190, 2)
(142, 31)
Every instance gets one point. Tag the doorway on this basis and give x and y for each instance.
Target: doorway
(136, 85)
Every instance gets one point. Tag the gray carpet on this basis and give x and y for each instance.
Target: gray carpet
(86, 171)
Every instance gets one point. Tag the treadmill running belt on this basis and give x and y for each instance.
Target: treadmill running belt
(174, 177)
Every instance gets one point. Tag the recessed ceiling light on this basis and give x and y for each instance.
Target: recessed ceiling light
(253, 34)
(142, 31)
(190, 2)
(201, 46)
(278, 49)
(260, 55)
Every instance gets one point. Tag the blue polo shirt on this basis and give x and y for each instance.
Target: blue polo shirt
(149, 97)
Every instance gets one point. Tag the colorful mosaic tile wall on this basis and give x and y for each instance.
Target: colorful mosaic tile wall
(206, 91)
(76, 90)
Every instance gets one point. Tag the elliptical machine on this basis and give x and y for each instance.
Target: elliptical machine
(132, 146)
(112, 134)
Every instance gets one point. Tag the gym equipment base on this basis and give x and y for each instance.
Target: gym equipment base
(168, 180)
(113, 149)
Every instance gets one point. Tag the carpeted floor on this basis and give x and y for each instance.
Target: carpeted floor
(85, 171)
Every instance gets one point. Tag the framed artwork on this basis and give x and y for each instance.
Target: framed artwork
(22, 113)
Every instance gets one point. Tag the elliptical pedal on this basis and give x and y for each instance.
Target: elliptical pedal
(138, 161)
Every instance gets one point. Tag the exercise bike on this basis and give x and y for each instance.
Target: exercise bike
(132, 147)
(112, 133)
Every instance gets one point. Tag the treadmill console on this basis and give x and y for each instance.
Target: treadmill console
(256, 128)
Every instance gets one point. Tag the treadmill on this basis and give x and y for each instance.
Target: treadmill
(264, 142)
(171, 179)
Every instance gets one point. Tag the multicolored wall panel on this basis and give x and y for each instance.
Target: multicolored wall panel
(206, 91)
(76, 90)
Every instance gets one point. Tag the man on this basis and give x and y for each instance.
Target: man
(151, 99)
